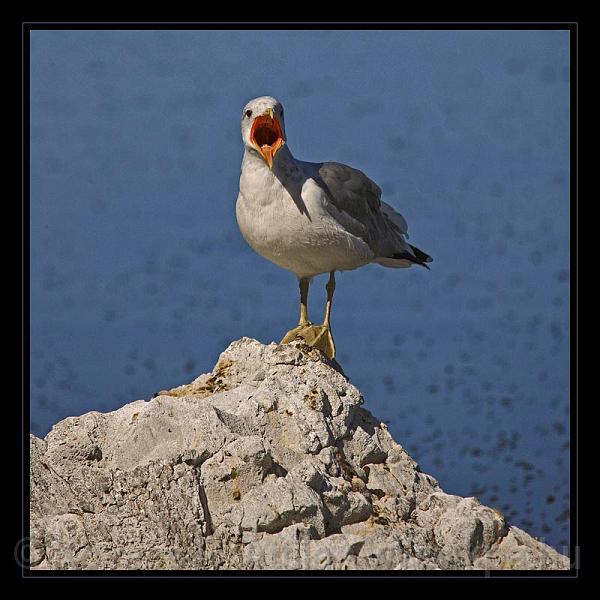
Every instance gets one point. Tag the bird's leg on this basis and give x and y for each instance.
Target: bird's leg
(324, 338)
(304, 285)
(319, 336)
(330, 290)
(303, 323)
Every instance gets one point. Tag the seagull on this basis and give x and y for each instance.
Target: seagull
(312, 218)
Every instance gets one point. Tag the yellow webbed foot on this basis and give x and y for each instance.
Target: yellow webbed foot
(292, 334)
(316, 336)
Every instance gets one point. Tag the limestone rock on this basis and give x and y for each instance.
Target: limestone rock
(268, 462)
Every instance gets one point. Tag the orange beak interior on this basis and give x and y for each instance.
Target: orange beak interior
(267, 137)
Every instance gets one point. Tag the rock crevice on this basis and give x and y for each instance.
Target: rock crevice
(268, 462)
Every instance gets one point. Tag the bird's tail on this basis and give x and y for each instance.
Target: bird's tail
(401, 260)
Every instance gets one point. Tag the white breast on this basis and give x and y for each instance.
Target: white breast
(290, 227)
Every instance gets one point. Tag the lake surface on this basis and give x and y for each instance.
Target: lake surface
(140, 277)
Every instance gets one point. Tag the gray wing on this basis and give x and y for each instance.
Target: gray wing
(355, 201)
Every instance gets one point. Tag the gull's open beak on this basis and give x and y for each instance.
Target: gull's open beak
(266, 135)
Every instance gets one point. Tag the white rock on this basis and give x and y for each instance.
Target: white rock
(267, 462)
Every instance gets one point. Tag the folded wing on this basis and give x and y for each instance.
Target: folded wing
(355, 202)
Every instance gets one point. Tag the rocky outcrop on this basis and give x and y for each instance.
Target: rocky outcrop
(268, 462)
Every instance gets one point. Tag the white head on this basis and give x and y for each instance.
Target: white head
(263, 127)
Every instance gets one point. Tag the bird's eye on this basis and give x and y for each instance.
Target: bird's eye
(248, 113)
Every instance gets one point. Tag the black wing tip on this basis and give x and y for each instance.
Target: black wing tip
(420, 258)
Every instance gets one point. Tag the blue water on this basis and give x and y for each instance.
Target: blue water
(140, 277)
